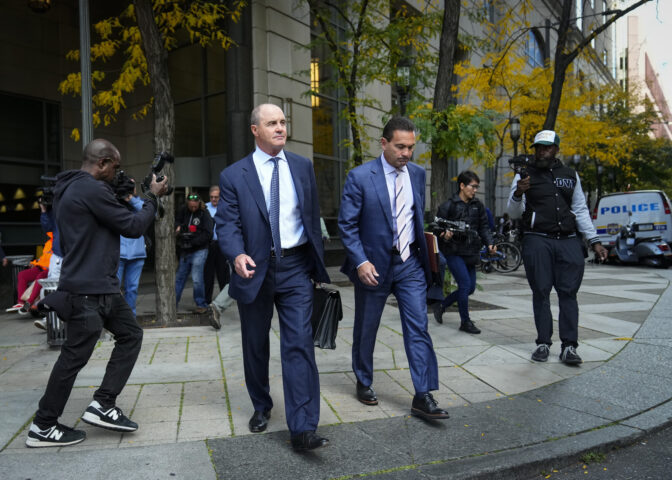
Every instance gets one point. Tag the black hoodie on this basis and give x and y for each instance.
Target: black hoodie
(90, 220)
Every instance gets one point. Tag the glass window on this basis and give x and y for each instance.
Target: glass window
(21, 124)
(329, 129)
(188, 131)
(534, 50)
(186, 73)
(30, 147)
(198, 80)
(579, 14)
(215, 125)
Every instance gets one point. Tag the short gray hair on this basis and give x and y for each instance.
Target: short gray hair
(254, 116)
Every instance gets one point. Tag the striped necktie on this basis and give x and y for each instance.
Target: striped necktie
(274, 210)
(400, 206)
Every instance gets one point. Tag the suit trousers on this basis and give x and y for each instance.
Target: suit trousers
(215, 266)
(406, 280)
(90, 313)
(287, 286)
(554, 263)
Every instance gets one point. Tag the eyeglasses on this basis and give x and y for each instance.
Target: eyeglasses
(192, 197)
(475, 186)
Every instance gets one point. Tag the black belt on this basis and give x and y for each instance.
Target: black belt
(556, 236)
(288, 252)
(412, 247)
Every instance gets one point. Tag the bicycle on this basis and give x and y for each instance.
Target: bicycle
(506, 259)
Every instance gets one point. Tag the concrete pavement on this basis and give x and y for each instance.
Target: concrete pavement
(508, 414)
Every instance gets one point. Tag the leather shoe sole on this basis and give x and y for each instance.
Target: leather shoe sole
(429, 416)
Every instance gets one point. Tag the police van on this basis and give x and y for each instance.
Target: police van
(650, 209)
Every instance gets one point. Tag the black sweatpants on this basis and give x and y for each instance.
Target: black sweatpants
(90, 313)
(554, 263)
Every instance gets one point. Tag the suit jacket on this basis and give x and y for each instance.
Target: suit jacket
(243, 225)
(365, 219)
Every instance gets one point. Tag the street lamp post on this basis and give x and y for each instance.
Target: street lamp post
(600, 171)
(514, 123)
(403, 82)
(85, 65)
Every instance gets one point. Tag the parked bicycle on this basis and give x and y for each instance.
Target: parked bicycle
(507, 259)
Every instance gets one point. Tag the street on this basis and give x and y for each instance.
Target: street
(649, 458)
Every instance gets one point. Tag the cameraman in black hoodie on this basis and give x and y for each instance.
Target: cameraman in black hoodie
(90, 220)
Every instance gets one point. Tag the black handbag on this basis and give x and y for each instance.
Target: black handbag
(327, 312)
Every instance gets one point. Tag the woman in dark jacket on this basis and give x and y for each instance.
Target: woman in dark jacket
(461, 249)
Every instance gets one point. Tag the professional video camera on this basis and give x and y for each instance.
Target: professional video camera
(185, 240)
(520, 163)
(441, 225)
(462, 231)
(47, 190)
(123, 185)
(157, 165)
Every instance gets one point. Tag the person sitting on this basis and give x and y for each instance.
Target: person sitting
(29, 277)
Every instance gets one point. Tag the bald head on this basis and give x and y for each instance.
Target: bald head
(269, 128)
(101, 159)
(259, 110)
(98, 149)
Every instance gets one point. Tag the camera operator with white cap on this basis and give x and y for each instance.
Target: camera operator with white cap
(555, 218)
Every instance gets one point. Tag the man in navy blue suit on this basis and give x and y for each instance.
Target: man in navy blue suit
(381, 225)
(268, 227)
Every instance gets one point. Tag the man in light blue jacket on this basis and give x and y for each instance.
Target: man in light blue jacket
(131, 260)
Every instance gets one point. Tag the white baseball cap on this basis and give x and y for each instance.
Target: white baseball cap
(546, 137)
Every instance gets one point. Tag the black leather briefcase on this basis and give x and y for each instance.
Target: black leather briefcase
(327, 312)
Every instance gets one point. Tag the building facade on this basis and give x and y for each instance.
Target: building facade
(214, 92)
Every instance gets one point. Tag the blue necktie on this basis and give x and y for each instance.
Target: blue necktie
(274, 211)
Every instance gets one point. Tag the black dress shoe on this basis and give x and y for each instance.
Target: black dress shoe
(259, 421)
(438, 310)
(469, 327)
(425, 406)
(308, 441)
(366, 395)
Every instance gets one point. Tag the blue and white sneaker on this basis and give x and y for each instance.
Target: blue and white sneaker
(109, 418)
(56, 436)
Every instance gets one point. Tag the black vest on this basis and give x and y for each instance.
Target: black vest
(548, 201)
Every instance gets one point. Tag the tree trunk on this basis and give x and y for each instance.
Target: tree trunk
(164, 134)
(564, 58)
(444, 169)
(561, 62)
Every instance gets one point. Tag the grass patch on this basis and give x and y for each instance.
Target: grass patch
(593, 457)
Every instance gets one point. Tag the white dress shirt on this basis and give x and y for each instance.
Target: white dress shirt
(292, 233)
(407, 191)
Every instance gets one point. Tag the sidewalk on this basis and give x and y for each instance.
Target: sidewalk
(508, 414)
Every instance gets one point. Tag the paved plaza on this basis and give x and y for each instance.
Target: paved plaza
(187, 391)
